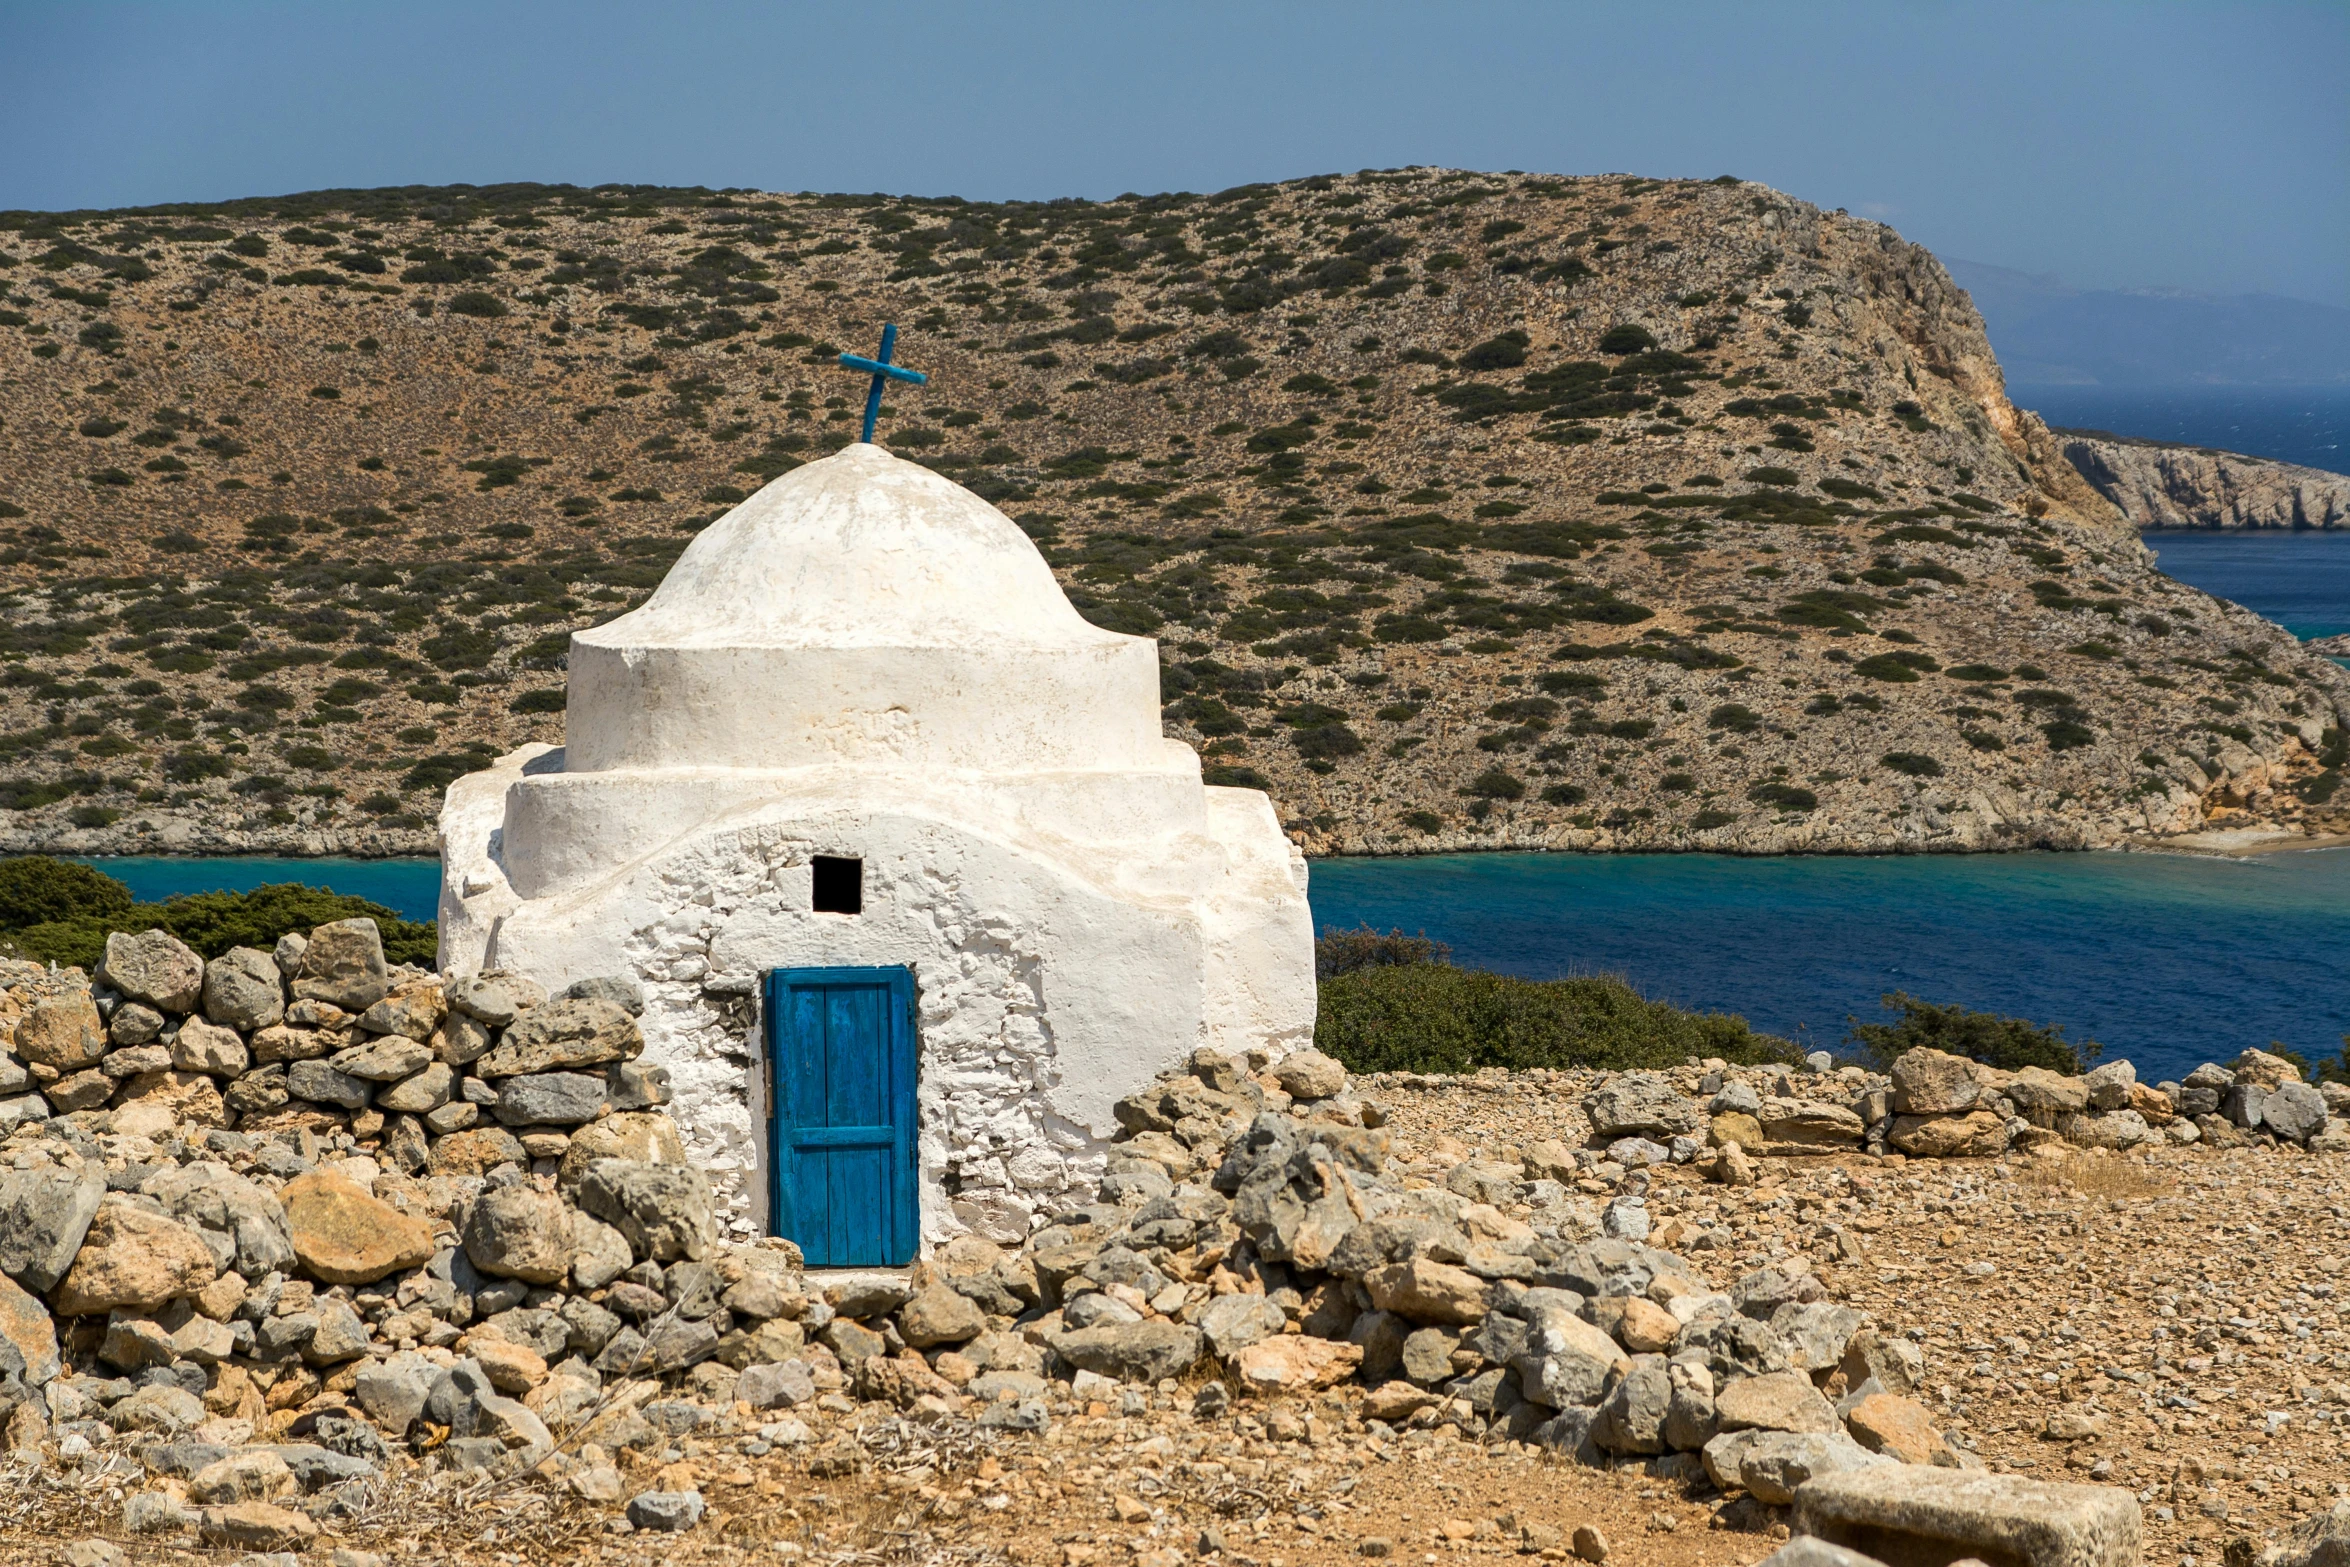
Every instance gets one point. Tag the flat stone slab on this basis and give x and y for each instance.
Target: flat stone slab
(1912, 1515)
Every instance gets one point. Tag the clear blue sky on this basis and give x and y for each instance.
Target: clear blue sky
(2196, 146)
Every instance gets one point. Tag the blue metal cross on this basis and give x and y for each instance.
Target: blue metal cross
(881, 370)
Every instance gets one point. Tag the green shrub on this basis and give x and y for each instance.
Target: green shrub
(1497, 353)
(1496, 784)
(76, 907)
(2008, 1043)
(1914, 764)
(35, 889)
(2065, 735)
(1785, 797)
(548, 699)
(1734, 715)
(474, 302)
(1224, 775)
(1564, 794)
(1626, 339)
(1432, 1017)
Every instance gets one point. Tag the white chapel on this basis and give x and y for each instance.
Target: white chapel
(913, 884)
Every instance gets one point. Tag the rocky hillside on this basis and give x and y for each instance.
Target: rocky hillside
(2162, 484)
(1470, 510)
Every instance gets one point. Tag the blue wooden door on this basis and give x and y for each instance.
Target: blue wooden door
(841, 1041)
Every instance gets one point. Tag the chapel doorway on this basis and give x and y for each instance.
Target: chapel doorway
(841, 1048)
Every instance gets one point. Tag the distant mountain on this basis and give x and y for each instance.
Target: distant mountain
(2048, 333)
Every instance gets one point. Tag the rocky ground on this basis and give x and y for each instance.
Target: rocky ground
(1306, 1319)
(1470, 510)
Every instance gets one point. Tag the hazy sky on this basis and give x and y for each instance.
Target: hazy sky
(2202, 147)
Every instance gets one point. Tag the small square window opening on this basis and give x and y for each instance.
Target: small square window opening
(840, 885)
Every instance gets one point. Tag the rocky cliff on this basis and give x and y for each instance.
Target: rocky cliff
(1469, 510)
(2155, 484)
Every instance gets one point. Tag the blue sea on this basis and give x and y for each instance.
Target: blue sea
(409, 888)
(2297, 424)
(2170, 960)
(2299, 580)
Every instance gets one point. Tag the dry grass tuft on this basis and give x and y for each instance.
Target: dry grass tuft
(2098, 1175)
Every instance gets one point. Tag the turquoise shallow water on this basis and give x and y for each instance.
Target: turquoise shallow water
(409, 888)
(2167, 959)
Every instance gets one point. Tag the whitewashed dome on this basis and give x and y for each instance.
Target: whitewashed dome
(860, 610)
(861, 549)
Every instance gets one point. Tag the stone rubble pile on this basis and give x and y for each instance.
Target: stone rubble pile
(275, 1217)
(1254, 1238)
(1930, 1105)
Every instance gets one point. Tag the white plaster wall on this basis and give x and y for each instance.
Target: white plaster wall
(865, 659)
(1045, 993)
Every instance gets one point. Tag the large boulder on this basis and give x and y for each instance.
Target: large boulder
(413, 1009)
(1233, 1322)
(1424, 1290)
(64, 1032)
(550, 1099)
(520, 1232)
(640, 1136)
(1805, 1126)
(939, 1315)
(321, 1084)
(344, 1234)
(495, 996)
(210, 1048)
(28, 1338)
(1932, 1082)
(1295, 1363)
(2294, 1111)
(172, 1098)
(1641, 1103)
(384, 1059)
(244, 990)
(44, 1213)
(1906, 1512)
(421, 1093)
(1132, 1351)
(155, 967)
(663, 1209)
(245, 1225)
(1781, 1401)
(1309, 1074)
(344, 966)
(1567, 1362)
(1773, 1465)
(476, 1152)
(133, 1257)
(1978, 1134)
(2269, 1071)
(564, 1034)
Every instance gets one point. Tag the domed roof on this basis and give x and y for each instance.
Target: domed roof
(861, 611)
(861, 549)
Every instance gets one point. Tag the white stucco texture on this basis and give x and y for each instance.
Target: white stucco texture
(865, 659)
